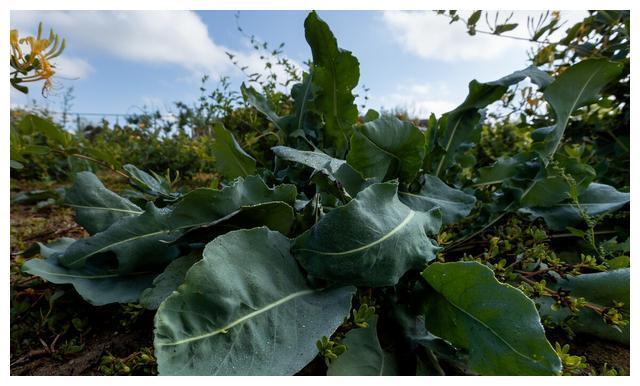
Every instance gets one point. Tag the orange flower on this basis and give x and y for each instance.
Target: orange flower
(38, 58)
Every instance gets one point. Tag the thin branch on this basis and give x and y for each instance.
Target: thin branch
(101, 163)
(552, 293)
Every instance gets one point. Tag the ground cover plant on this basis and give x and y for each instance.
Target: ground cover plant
(369, 245)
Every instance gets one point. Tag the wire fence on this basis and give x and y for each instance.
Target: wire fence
(78, 120)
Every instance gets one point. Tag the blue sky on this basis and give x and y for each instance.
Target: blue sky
(118, 62)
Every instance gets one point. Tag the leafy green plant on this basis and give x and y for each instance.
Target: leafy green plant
(248, 278)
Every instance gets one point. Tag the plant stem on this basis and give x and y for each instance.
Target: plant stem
(101, 163)
(495, 220)
(552, 293)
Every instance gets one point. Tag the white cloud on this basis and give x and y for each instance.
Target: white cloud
(164, 37)
(72, 68)
(158, 37)
(418, 99)
(430, 36)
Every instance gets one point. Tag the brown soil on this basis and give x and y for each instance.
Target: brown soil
(104, 341)
(600, 352)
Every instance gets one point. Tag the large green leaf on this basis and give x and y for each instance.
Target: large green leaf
(595, 200)
(277, 216)
(94, 282)
(138, 242)
(335, 72)
(550, 187)
(453, 203)
(313, 159)
(545, 190)
(503, 169)
(497, 324)
(152, 184)
(143, 241)
(601, 289)
(39, 197)
(364, 356)
(304, 122)
(245, 309)
(96, 206)
(338, 169)
(257, 100)
(461, 122)
(371, 241)
(579, 85)
(231, 160)
(387, 148)
(167, 282)
(422, 342)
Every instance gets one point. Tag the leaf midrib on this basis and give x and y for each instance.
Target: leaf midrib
(487, 327)
(240, 320)
(379, 147)
(446, 150)
(573, 106)
(395, 230)
(168, 230)
(107, 247)
(106, 208)
(236, 159)
(432, 198)
(302, 105)
(94, 277)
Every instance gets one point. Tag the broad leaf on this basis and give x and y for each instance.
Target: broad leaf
(503, 169)
(277, 216)
(461, 122)
(245, 309)
(601, 289)
(497, 324)
(94, 282)
(579, 85)
(96, 206)
(387, 148)
(422, 342)
(231, 160)
(167, 282)
(453, 203)
(549, 186)
(337, 169)
(304, 122)
(371, 241)
(335, 72)
(364, 356)
(143, 240)
(313, 159)
(138, 242)
(597, 199)
(545, 190)
(149, 184)
(257, 100)
(38, 196)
